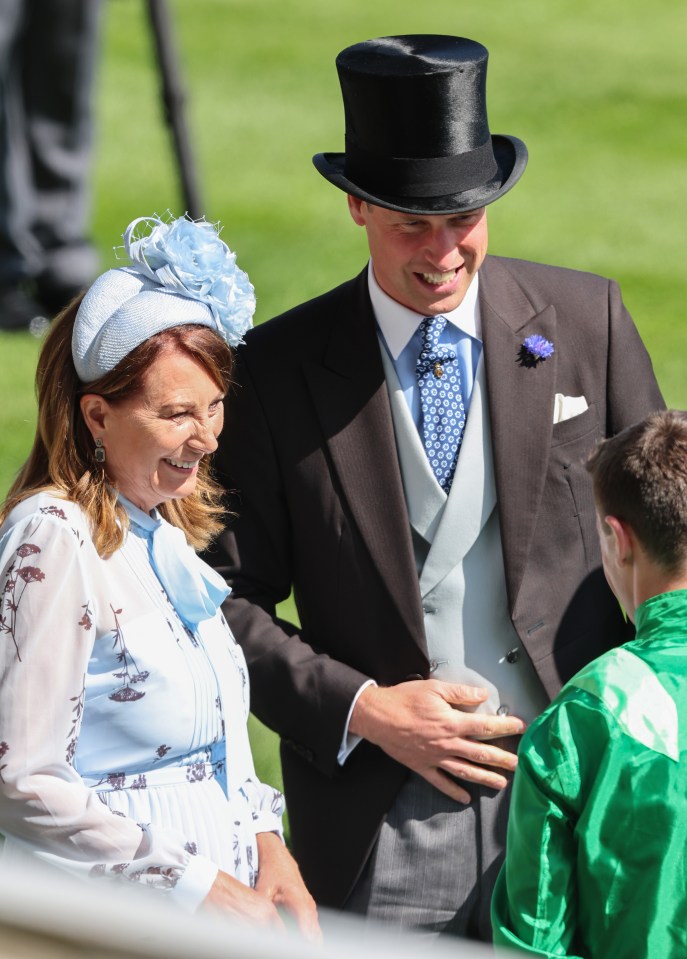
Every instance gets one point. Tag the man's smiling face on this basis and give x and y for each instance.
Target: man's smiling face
(423, 262)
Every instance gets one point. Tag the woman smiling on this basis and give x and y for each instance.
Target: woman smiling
(123, 695)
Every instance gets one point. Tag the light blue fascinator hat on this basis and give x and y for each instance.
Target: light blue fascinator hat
(181, 273)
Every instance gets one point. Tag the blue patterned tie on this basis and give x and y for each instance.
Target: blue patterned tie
(441, 398)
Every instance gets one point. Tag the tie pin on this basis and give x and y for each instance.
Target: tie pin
(438, 370)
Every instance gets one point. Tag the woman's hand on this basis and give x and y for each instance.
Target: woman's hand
(280, 882)
(239, 900)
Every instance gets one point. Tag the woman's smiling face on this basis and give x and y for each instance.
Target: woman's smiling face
(155, 440)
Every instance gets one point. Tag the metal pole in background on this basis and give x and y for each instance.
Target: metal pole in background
(173, 98)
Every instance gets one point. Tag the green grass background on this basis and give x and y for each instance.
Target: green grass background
(598, 91)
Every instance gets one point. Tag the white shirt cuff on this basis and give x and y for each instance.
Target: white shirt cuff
(350, 740)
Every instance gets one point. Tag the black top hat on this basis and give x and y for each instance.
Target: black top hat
(417, 135)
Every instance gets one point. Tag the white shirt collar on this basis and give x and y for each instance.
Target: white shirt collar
(398, 324)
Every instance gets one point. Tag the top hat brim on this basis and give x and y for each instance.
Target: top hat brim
(510, 154)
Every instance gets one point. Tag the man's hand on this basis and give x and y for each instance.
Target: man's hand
(279, 880)
(417, 723)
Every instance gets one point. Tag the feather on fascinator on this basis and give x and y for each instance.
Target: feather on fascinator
(181, 273)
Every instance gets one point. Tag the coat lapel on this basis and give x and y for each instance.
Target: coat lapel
(350, 395)
(521, 409)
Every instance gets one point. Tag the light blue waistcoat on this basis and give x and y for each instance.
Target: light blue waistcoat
(457, 542)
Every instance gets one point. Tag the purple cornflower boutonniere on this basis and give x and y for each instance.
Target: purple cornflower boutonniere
(534, 350)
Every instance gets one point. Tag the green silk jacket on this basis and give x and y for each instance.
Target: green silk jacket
(596, 862)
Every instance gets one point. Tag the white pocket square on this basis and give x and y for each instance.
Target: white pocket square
(565, 407)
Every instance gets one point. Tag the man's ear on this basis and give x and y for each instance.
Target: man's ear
(94, 409)
(623, 539)
(355, 209)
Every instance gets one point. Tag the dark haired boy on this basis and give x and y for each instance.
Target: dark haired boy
(595, 863)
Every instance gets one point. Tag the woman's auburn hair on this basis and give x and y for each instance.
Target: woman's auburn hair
(62, 461)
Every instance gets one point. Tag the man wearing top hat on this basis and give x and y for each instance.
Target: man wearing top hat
(407, 451)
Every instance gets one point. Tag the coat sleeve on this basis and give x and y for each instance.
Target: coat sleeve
(297, 689)
(45, 645)
(535, 905)
(553, 893)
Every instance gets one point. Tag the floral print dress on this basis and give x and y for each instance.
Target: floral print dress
(123, 744)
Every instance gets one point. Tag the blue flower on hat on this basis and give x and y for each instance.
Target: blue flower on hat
(535, 349)
(188, 258)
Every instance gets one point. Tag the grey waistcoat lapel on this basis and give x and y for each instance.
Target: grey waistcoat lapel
(450, 525)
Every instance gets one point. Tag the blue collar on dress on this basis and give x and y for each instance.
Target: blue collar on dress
(194, 589)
